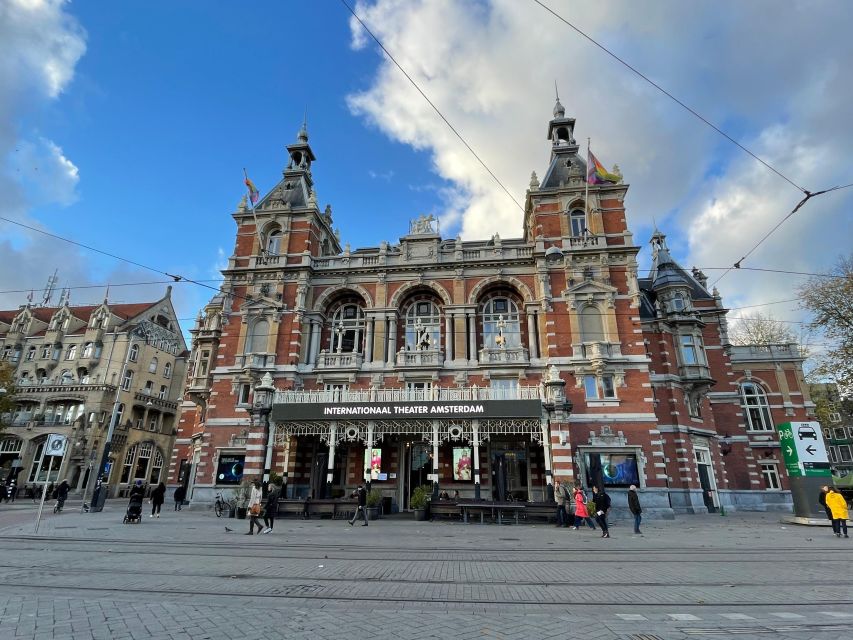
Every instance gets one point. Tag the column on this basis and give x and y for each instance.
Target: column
(368, 341)
(531, 335)
(315, 342)
(448, 336)
(546, 446)
(365, 463)
(270, 442)
(285, 470)
(330, 467)
(435, 459)
(476, 427)
(392, 340)
(472, 337)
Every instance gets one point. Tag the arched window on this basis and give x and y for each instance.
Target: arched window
(167, 370)
(128, 464)
(72, 352)
(152, 367)
(127, 380)
(501, 323)
(87, 350)
(274, 242)
(348, 329)
(133, 356)
(591, 325)
(256, 341)
(756, 410)
(156, 468)
(577, 219)
(423, 326)
(142, 460)
(66, 377)
(31, 354)
(119, 414)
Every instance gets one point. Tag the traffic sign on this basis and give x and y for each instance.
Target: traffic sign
(803, 449)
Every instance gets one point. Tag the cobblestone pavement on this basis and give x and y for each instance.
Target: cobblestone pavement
(185, 576)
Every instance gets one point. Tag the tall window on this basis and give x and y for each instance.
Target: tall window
(31, 354)
(45, 351)
(162, 394)
(348, 329)
(203, 363)
(142, 460)
(256, 341)
(691, 350)
(755, 407)
(167, 370)
(598, 388)
(504, 388)
(578, 222)
(149, 388)
(771, 475)
(152, 367)
(87, 350)
(128, 464)
(156, 468)
(119, 414)
(592, 325)
(66, 377)
(501, 324)
(127, 380)
(274, 242)
(423, 326)
(45, 464)
(71, 353)
(134, 353)
(678, 303)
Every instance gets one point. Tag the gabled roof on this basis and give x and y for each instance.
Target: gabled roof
(84, 312)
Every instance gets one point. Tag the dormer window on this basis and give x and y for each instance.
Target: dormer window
(577, 219)
(274, 242)
(678, 303)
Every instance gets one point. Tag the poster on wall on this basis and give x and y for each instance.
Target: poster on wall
(462, 464)
(373, 460)
(614, 469)
(230, 469)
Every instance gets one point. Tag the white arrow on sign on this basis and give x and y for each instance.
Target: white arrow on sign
(790, 450)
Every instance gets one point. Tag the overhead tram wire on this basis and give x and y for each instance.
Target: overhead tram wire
(808, 195)
(175, 277)
(431, 104)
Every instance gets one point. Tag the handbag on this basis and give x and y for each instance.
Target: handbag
(255, 509)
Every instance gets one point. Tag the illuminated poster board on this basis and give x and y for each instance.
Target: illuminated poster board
(373, 461)
(462, 464)
(614, 469)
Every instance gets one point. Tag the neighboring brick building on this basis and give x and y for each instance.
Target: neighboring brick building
(69, 364)
(491, 365)
(836, 418)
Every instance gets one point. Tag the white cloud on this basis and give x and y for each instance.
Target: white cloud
(490, 67)
(46, 174)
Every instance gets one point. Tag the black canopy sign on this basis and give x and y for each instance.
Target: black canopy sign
(407, 410)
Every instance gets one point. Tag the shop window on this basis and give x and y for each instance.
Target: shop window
(755, 407)
(771, 476)
(611, 469)
(844, 453)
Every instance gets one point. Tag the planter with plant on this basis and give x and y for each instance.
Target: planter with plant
(420, 501)
(374, 501)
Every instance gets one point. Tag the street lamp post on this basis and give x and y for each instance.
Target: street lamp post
(261, 408)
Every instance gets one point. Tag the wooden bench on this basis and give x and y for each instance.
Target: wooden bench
(291, 507)
(443, 508)
(492, 508)
(545, 510)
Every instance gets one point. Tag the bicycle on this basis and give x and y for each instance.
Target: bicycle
(221, 505)
(57, 508)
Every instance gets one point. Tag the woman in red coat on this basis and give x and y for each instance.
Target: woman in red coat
(581, 513)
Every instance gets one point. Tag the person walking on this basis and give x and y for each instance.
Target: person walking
(62, 493)
(581, 512)
(271, 507)
(602, 505)
(634, 507)
(158, 497)
(137, 490)
(13, 491)
(561, 495)
(254, 506)
(821, 498)
(838, 505)
(180, 494)
(361, 494)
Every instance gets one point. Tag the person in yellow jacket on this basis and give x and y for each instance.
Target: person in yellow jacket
(838, 505)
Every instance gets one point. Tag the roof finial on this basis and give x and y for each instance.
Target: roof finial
(559, 109)
(107, 294)
(303, 132)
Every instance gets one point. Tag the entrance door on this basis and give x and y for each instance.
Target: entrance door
(499, 479)
(418, 467)
(318, 475)
(706, 478)
(509, 472)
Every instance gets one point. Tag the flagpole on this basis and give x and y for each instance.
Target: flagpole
(586, 189)
(254, 217)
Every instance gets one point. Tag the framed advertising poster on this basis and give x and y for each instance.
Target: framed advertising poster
(462, 465)
(373, 461)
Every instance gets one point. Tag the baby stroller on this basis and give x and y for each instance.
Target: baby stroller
(134, 510)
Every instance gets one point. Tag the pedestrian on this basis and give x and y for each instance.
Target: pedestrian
(137, 490)
(821, 498)
(271, 508)
(581, 512)
(158, 497)
(180, 494)
(634, 507)
(561, 495)
(254, 506)
(838, 505)
(13, 490)
(602, 505)
(361, 494)
(62, 493)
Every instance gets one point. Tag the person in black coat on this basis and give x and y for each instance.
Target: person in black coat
(271, 507)
(180, 494)
(602, 505)
(634, 507)
(158, 497)
(361, 494)
(137, 490)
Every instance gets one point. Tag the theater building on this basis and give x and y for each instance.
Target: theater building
(488, 367)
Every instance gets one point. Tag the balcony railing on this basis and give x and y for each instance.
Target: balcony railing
(339, 360)
(421, 358)
(508, 355)
(441, 394)
(61, 387)
(587, 242)
(255, 361)
(159, 403)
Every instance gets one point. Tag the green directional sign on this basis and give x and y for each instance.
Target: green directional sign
(803, 449)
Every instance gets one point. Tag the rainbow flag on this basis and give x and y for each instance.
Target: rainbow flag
(253, 190)
(597, 174)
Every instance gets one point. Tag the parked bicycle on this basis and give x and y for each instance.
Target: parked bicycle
(221, 505)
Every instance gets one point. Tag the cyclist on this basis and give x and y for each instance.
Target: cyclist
(61, 494)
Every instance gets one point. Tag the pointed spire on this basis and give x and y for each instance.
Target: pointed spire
(559, 109)
(302, 136)
(107, 295)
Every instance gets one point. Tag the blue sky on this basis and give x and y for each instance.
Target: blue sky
(127, 125)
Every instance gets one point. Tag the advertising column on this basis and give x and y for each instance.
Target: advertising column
(807, 465)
